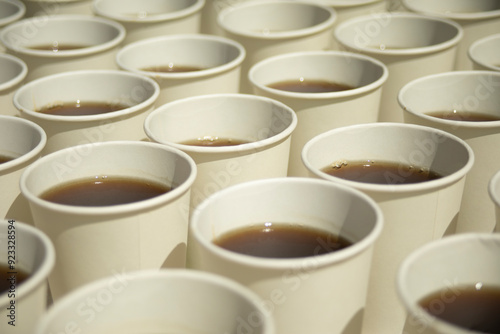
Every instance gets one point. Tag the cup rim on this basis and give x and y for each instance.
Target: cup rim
(318, 96)
(348, 3)
(159, 274)
(390, 188)
(39, 277)
(400, 52)
(18, 78)
(251, 146)
(93, 49)
(34, 152)
(284, 263)
(481, 42)
(492, 185)
(410, 5)
(21, 11)
(119, 209)
(402, 273)
(183, 37)
(442, 121)
(84, 118)
(322, 26)
(174, 15)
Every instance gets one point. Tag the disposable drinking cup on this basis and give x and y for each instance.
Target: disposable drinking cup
(478, 19)
(261, 127)
(63, 43)
(161, 301)
(13, 71)
(410, 45)
(11, 11)
(46, 8)
(97, 241)
(414, 213)
(485, 53)
(124, 98)
(323, 293)
(150, 18)
(21, 143)
(28, 256)
(186, 65)
(317, 112)
(494, 192)
(444, 272)
(463, 94)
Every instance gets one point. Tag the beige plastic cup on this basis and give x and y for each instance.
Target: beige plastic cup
(92, 43)
(494, 192)
(161, 301)
(475, 92)
(485, 53)
(320, 112)
(264, 125)
(150, 18)
(24, 248)
(95, 242)
(410, 45)
(46, 8)
(216, 62)
(414, 214)
(269, 28)
(23, 141)
(136, 93)
(446, 266)
(321, 294)
(13, 71)
(478, 19)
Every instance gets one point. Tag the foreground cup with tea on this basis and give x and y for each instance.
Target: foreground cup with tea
(111, 207)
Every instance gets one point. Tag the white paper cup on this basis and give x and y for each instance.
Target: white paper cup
(320, 294)
(24, 141)
(164, 301)
(136, 92)
(24, 303)
(470, 91)
(447, 265)
(269, 28)
(478, 19)
(267, 125)
(45, 8)
(412, 46)
(11, 11)
(485, 53)
(13, 71)
(94, 242)
(414, 214)
(97, 38)
(320, 112)
(151, 18)
(218, 58)
(494, 192)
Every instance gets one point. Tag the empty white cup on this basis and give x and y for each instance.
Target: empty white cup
(494, 192)
(46, 8)
(485, 53)
(13, 71)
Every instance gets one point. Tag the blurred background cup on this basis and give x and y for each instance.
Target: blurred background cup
(164, 301)
(269, 28)
(467, 104)
(186, 65)
(259, 128)
(24, 300)
(485, 53)
(414, 213)
(151, 18)
(13, 71)
(113, 106)
(21, 143)
(10, 11)
(97, 241)
(324, 292)
(447, 273)
(478, 19)
(494, 192)
(410, 45)
(354, 98)
(63, 43)
(45, 8)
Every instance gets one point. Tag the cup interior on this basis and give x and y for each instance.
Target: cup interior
(19, 137)
(145, 10)
(452, 7)
(12, 71)
(486, 52)
(10, 11)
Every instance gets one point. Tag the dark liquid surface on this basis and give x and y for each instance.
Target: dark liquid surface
(214, 142)
(467, 307)
(278, 240)
(380, 172)
(464, 116)
(79, 108)
(56, 47)
(171, 69)
(104, 191)
(309, 86)
(4, 159)
(11, 278)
